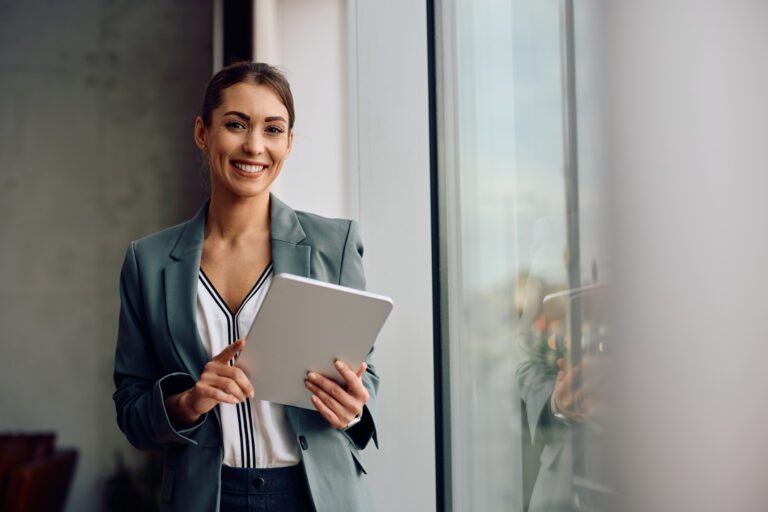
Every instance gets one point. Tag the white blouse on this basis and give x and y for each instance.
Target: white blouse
(256, 433)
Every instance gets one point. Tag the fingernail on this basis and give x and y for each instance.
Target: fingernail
(338, 363)
(311, 375)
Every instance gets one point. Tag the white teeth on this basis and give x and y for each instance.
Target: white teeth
(248, 168)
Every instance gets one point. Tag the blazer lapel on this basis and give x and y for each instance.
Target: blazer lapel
(288, 257)
(181, 294)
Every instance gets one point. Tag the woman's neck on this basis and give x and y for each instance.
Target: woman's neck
(235, 218)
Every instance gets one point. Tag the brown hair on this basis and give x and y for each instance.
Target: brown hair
(245, 71)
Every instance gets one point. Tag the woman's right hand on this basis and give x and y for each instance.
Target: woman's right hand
(218, 383)
(578, 403)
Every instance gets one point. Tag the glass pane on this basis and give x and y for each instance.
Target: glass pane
(517, 288)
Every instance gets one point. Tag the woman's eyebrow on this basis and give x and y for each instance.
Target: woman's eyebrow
(246, 117)
(238, 114)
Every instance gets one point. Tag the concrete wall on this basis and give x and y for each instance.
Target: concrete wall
(97, 103)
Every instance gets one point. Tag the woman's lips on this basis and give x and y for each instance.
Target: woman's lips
(248, 170)
(248, 167)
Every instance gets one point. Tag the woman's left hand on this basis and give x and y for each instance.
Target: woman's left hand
(337, 404)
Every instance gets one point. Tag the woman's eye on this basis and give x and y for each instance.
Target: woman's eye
(274, 129)
(235, 124)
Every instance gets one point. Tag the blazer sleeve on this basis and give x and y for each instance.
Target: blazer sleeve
(141, 385)
(352, 275)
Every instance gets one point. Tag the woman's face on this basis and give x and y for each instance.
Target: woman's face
(247, 140)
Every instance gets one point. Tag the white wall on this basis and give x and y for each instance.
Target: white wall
(395, 217)
(686, 107)
(310, 42)
(359, 74)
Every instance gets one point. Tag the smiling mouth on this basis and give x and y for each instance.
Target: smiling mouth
(248, 168)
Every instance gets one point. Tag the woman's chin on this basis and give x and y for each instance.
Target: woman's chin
(236, 187)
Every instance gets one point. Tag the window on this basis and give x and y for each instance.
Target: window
(521, 256)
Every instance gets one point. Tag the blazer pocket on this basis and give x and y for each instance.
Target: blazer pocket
(166, 488)
(358, 461)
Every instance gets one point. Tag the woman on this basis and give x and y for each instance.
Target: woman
(191, 291)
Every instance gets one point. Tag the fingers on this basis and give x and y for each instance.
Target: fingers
(220, 382)
(336, 404)
(227, 385)
(327, 413)
(239, 377)
(331, 409)
(337, 398)
(564, 402)
(578, 391)
(236, 375)
(212, 389)
(562, 373)
(205, 393)
(568, 377)
(354, 384)
(228, 353)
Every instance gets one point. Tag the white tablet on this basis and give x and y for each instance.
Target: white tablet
(305, 324)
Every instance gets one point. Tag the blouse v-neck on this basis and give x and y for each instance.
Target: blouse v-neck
(255, 433)
(219, 298)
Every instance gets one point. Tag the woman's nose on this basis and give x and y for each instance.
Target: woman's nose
(254, 143)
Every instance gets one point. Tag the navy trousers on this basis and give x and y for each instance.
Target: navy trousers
(265, 490)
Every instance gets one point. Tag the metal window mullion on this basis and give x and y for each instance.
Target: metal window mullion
(571, 171)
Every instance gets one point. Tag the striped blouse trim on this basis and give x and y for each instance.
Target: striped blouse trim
(244, 416)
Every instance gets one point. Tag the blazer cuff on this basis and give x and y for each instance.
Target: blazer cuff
(167, 386)
(363, 431)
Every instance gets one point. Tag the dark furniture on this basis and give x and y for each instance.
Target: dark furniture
(34, 475)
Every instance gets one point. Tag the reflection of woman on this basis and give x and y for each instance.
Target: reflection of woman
(191, 291)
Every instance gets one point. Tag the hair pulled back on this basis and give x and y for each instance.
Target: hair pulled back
(257, 73)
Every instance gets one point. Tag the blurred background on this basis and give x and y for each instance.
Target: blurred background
(535, 180)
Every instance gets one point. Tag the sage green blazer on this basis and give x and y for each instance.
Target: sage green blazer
(159, 353)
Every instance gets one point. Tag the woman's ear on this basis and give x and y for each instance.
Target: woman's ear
(200, 134)
(290, 141)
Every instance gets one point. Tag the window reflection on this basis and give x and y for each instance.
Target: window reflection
(525, 399)
(562, 398)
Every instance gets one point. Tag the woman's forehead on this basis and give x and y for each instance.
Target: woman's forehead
(252, 99)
